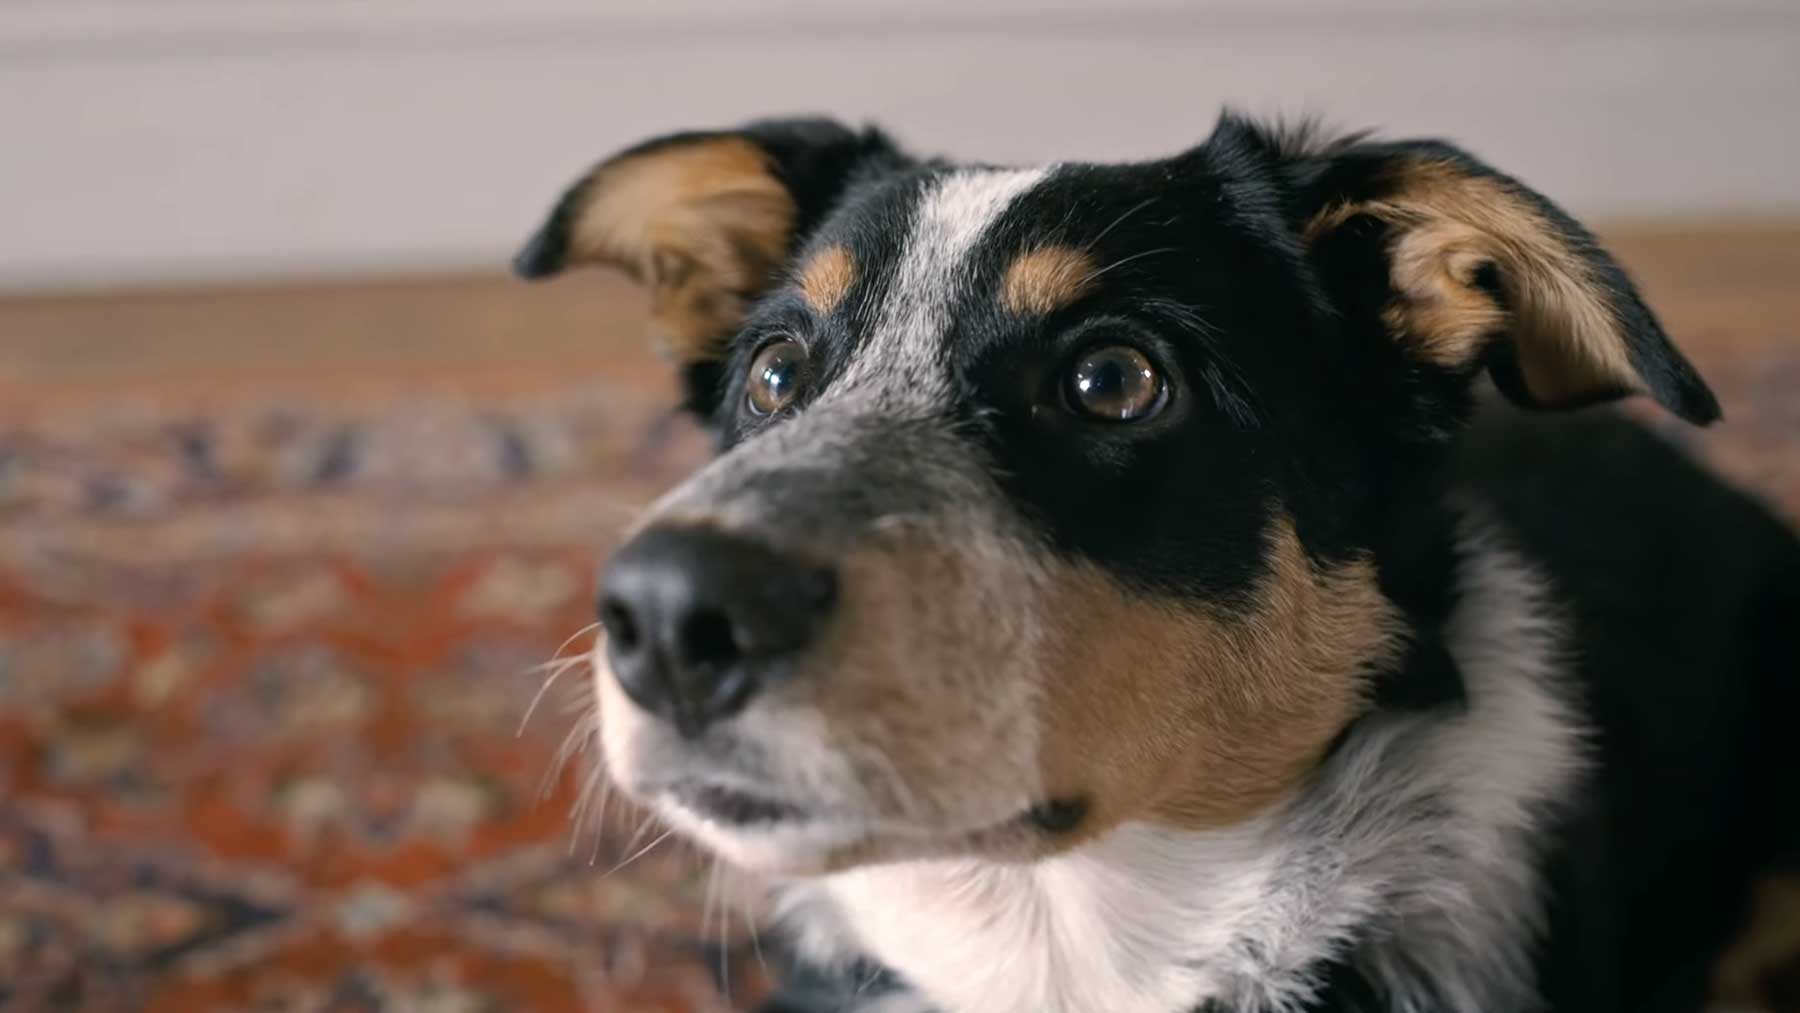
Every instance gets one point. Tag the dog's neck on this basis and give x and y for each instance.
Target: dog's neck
(1408, 858)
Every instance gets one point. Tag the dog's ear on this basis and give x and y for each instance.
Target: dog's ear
(1468, 268)
(706, 220)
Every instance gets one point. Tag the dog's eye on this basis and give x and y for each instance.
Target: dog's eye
(775, 376)
(1115, 383)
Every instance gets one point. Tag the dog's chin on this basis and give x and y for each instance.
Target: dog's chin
(721, 794)
(790, 840)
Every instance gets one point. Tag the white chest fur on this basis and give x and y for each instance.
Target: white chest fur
(1110, 926)
(1412, 855)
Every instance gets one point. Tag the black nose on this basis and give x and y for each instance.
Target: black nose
(697, 619)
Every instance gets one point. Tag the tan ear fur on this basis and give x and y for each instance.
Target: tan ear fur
(702, 221)
(1449, 226)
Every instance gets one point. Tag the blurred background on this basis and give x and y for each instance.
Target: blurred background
(298, 491)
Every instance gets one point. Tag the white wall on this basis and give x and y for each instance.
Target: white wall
(150, 140)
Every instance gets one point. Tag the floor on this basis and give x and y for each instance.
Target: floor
(280, 566)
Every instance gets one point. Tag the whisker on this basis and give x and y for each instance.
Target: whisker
(606, 798)
(578, 815)
(724, 939)
(870, 978)
(706, 913)
(1134, 209)
(594, 849)
(1235, 394)
(1062, 227)
(637, 835)
(585, 730)
(1122, 261)
(572, 638)
(706, 896)
(750, 923)
(556, 666)
(643, 828)
(538, 697)
(641, 852)
(599, 823)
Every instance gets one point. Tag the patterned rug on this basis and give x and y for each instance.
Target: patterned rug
(265, 653)
(263, 669)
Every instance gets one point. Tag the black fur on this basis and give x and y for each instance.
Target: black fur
(1296, 398)
(1289, 397)
(1672, 582)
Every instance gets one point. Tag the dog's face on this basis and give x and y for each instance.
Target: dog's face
(1055, 498)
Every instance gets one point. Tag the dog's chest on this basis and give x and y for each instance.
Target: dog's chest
(1115, 925)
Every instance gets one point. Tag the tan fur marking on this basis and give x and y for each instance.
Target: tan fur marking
(703, 223)
(827, 277)
(1198, 717)
(1766, 950)
(1045, 280)
(1450, 225)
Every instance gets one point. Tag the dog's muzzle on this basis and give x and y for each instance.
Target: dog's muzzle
(822, 648)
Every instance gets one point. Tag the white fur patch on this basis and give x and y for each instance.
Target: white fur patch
(1413, 855)
(1107, 927)
(901, 351)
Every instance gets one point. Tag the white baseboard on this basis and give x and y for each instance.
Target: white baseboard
(149, 142)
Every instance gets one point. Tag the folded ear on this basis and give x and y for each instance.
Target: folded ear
(706, 219)
(1482, 271)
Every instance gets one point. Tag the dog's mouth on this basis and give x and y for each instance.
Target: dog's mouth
(746, 821)
(735, 807)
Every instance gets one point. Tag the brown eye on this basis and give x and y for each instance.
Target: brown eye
(775, 376)
(1115, 383)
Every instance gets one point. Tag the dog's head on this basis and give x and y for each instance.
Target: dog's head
(1050, 498)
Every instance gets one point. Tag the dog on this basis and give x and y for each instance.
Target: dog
(1204, 584)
